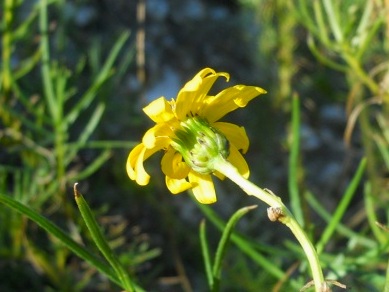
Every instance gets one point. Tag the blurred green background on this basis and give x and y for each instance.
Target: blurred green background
(75, 76)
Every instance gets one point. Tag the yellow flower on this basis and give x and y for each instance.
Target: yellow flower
(189, 132)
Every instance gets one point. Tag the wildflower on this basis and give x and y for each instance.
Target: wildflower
(189, 131)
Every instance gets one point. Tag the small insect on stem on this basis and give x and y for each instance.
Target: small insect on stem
(274, 213)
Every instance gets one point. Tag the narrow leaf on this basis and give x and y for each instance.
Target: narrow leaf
(342, 207)
(60, 235)
(101, 242)
(206, 256)
(220, 252)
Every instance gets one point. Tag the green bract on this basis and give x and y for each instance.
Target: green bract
(199, 144)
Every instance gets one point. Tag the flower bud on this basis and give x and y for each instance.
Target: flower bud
(200, 144)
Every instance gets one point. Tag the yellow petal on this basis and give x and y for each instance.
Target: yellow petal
(238, 161)
(173, 165)
(159, 110)
(229, 100)
(203, 188)
(137, 156)
(176, 186)
(191, 96)
(236, 135)
(162, 131)
(134, 165)
(219, 175)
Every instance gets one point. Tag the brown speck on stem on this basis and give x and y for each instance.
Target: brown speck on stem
(275, 213)
(76, 193)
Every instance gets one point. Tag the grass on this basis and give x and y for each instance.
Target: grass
(52, 135)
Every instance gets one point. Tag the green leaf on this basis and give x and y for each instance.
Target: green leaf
(102, 243)
(249, 248)
(206, 255)
(93, 167)
(104, 74)
(342, 207)
(65, 239)
(87, 132)
(294, 155)
(223, 243)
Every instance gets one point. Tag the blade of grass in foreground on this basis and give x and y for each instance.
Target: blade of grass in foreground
(61, 236)
(221, 249)
(206, 254)
(102, 243)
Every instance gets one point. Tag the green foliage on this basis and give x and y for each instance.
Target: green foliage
(49, 114)
(52, 108)
(213, 268)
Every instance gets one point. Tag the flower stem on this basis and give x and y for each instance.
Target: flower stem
(285, 216)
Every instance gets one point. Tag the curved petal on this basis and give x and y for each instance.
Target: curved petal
(162, 131)
(137, 156)
(229, 100)
(173, 165)
(159, 110)
(191, 96)
(236, 135)
(219, 175)
(134, 166)
(203, 188)
(176, 186)
(239, 162)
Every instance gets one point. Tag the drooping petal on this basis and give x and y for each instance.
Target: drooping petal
(137, 156)
(173, 165)
(238, 161)
(176, 186)
(163, 131)
(203, 188)
(229, 100)
(134, 166)
(219, 175)
(159, 110)
(236, 135)
(190, 98)
(132, 159)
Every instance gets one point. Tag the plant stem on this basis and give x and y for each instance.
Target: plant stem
(6, 47)
(286, 217)
(54, 104)
(293, 181)
(360, 73)
(7, 43)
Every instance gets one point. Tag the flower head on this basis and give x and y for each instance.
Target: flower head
(189, 131)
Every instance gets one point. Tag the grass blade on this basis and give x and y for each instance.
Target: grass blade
(45, 68)
(94, 166)
(104, 74)
(342, 207)
(101, 242)
(87, 132)
(340, 228)
(222, 247)
(206, 255)
(295, 200)
(61, 236)
(247, 247)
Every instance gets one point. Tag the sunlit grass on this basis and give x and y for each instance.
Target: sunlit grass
(51, 116)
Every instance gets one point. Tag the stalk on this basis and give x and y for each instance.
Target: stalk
(277, 212)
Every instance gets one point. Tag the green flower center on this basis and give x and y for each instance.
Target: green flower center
(200, 144)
